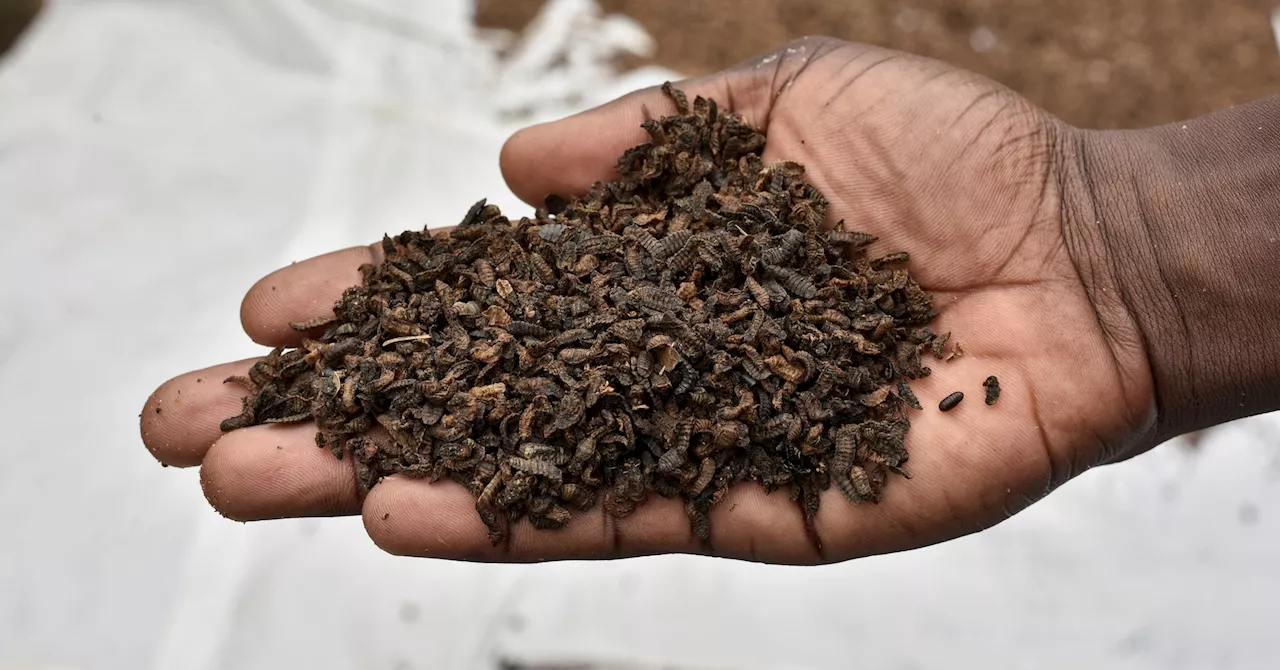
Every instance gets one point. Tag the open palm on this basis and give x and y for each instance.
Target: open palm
(968, 177)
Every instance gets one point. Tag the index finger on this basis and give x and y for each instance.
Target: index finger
(303, 291)
(300, 292)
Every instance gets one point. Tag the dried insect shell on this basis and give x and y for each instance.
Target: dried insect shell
(526, 329)
(576, 356)
(874, 398)
(684, 258)
(586, 264)
(630, 331)
(728, 434)
(570, 411)
(314, 322)
(489, 391)
(862, 484)
(948, 403)
(672, 243)
(635, 263)
(646, 240)
(553, 518)
(541, 268)
(538, 451)
(488, 352)
(785, 369)
(992, 386)
(496, 316)
(786, 246)
(642, 364)
(466, 308)
(551, 232)
(776, 292)
(754, 365)
(666, 357)
(706, 472)
(539, 468)
(795, 283)
(484, 272)
(940, 345)
(656, 298)
(905, 392)
(757, 292)
(860, 344)
(898, 257)
(601, 244)
(849, 238)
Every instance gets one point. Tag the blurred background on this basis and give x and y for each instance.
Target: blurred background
(158, 157)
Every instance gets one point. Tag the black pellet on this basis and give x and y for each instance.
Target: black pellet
(948, 403)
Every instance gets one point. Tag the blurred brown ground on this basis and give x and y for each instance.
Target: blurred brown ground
(1094, 63)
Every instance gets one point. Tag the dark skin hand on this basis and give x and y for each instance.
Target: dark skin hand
(997, 205)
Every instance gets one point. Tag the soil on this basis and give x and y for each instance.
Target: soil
(1094, 63)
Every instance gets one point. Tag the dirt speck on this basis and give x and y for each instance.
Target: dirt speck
(1248, 514)
(409, 612)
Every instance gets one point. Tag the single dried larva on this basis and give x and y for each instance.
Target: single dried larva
(656, 298)
(940, 345)
(635, 263)
(706, 471)
(849, 238)
(795, 283)
(905, 392)
(537, 467)
(672, 243)
(683, 259)
(757, 292)
(484, 272)
(992, 385)
(862, 483)
(677, 96)
(526, 329)
(541, 268)
(787, 245)
(948, 403)
(551, 232)
(646, 240)
(489, 391)
(672, 460)
(785, 369)
(466, 308)
(642, 364)
(314, 322)
(898, 257)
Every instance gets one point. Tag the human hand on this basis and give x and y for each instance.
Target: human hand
(971, 179)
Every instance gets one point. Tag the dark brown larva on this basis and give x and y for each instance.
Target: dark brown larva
(992, 385)
(670, 333)
(948, 403)
(904, 390)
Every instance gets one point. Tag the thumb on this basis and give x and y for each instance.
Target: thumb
(566, 157)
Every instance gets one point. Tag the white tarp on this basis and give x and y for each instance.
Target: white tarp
(158, 157)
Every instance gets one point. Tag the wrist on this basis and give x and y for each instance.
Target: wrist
(1176, 232)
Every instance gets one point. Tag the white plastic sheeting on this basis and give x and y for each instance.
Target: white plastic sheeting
(158, 157)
